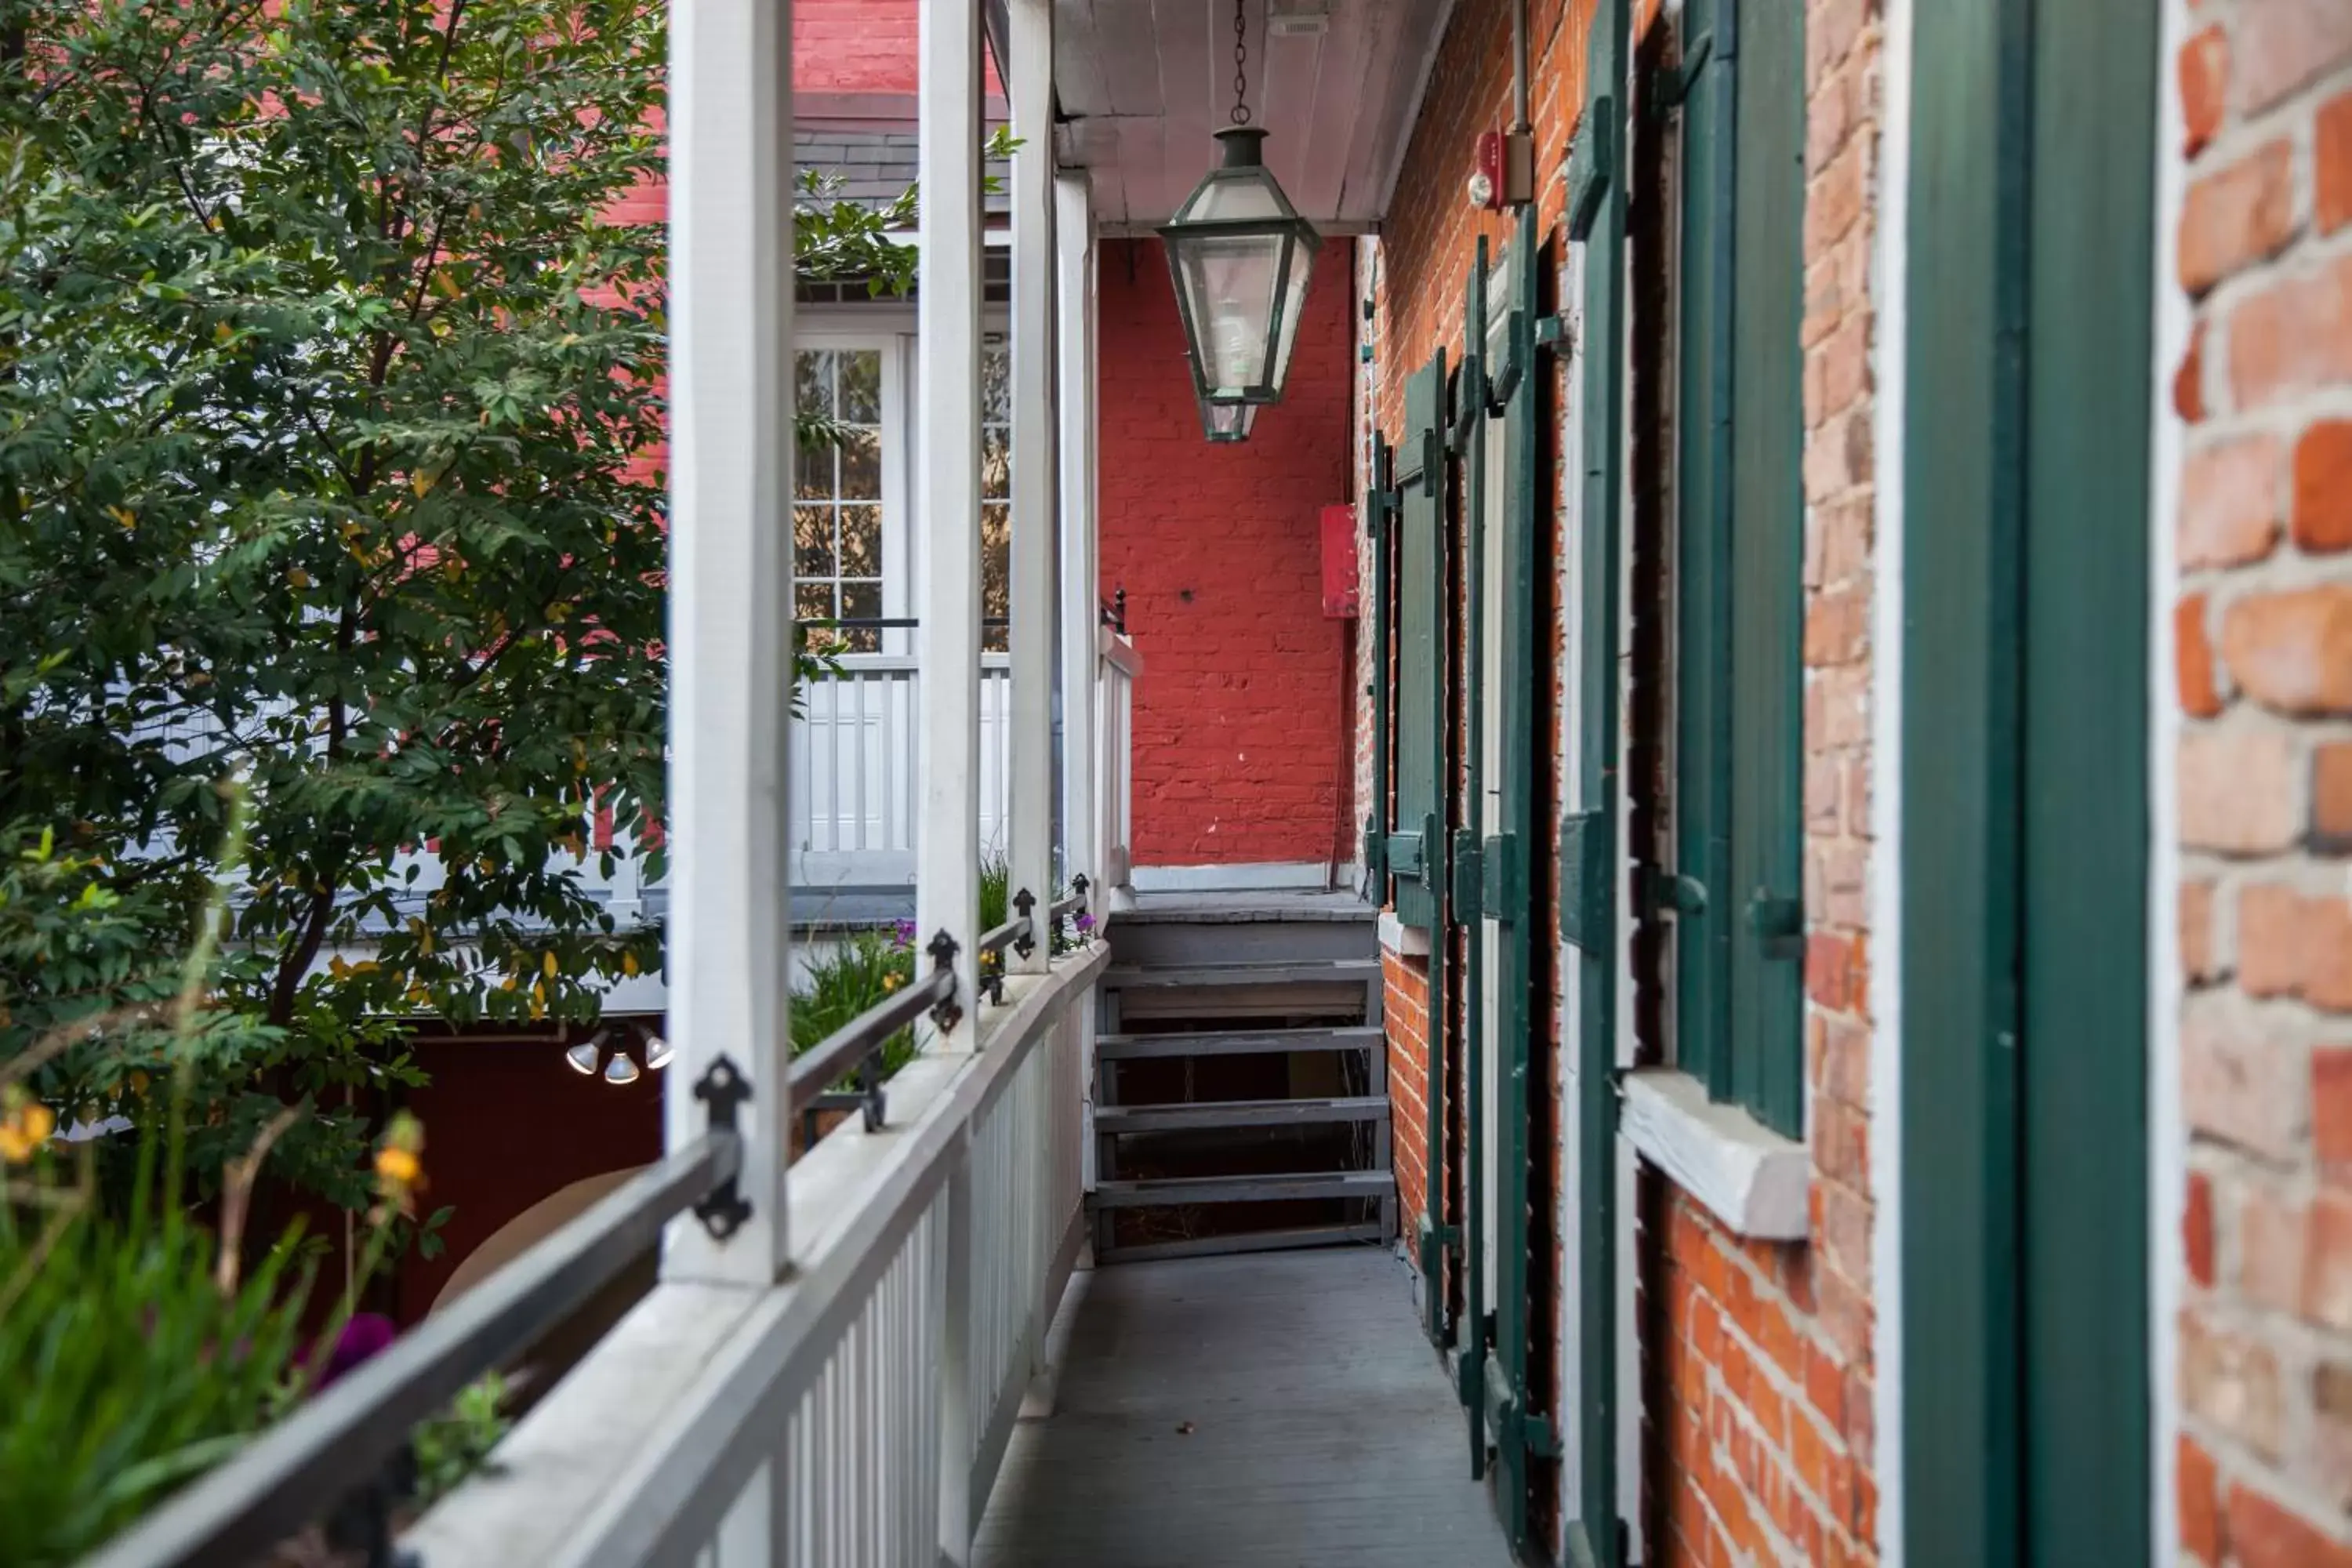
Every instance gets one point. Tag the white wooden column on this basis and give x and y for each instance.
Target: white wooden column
(731, 397)
(947, 496)
(1081, 595)
(1035, 477)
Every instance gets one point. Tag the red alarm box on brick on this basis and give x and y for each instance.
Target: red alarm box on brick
(1339, 562)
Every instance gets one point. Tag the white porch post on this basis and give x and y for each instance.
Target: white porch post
(947, 497)
(1035, 477)
(1081, 597)
(730, 397)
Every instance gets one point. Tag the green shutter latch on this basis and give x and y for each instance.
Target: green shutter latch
(1375, 849)
(1403, 856)
(1658, 891)
(1467, 892)
(1674, 81)
(1551, 332)
(1502, 886)
(1589, 164)
(1777, 923)
(1587, 848)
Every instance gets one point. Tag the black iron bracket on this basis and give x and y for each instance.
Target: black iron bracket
(1026, 902)
(946, 1012)
(723, 1089)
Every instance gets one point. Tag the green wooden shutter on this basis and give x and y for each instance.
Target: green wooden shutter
(1471, 900)
(1590, 871)
(1768, 558)
(1380, 513)
(1703, 808)
(1739, 926)
(1416, 846)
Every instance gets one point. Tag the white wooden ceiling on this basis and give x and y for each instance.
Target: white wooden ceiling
(1142, 84)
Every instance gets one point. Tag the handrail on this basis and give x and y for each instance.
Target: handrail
(857, 1046)
(340, 1440)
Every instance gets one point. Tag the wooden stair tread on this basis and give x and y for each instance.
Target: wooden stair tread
(1237, 1041)
(1310, 971)
(1227, 1113)
(1167, 1190)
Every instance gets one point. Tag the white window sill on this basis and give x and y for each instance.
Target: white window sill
(1751, 1178)
(1404, 941)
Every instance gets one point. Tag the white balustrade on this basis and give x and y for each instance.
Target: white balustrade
(805, 1425)
(855, 751)
(1114, 731)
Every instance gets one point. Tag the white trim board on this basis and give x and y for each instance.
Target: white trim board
(1756, 1181)
(1256, 876)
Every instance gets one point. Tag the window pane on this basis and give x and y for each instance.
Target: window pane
(812, 541)
(861, 542)
(862, 602)
(995, 463)
(815, 393)
(861, 466)
(814, 601)
(995, 386)
(814, 480)
(995, 570)
(861, 387)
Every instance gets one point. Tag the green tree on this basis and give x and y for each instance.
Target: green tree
(329, 459)
(331, 351)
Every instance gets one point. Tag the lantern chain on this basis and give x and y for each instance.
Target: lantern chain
(1240, 63)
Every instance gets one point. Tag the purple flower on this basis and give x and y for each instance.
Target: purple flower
(1085, 922)
(903, 932)
(362, 1337)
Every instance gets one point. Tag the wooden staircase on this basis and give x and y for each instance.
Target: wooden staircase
(1239, 1095)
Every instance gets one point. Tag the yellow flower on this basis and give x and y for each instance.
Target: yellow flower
(628, 963)
(25, 1126)
(891, 982)
(399, 1167)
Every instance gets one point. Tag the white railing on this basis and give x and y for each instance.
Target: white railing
(1115, 733)
(857, 1414)
(854, 754)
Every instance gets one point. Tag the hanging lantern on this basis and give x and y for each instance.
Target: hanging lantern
(1227, 421)
(1240, 256)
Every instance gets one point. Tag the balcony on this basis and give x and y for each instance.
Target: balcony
(891, 1343)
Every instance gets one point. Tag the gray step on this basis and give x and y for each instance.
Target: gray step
(1236, 1043)
(1244, 928)
(1224, 1113)
(1248, 1241)
(1222, 976)
(1168, 1191)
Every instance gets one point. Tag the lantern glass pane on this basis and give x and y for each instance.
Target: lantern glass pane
(1228, 421)
(1238, 200)
(1229, 282)
(1294, 301)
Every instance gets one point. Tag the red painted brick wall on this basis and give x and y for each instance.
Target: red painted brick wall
(2263, 636)
(1240, 716)
(853, 46)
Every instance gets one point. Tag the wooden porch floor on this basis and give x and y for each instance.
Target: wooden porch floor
(1272, 1408)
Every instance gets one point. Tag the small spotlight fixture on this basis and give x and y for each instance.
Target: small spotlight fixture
(657, 1052)
(622, 1069)
(584, 1057)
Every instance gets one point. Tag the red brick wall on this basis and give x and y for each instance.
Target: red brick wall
(1240, 716)
(1760, 1386)
(2264, 647)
